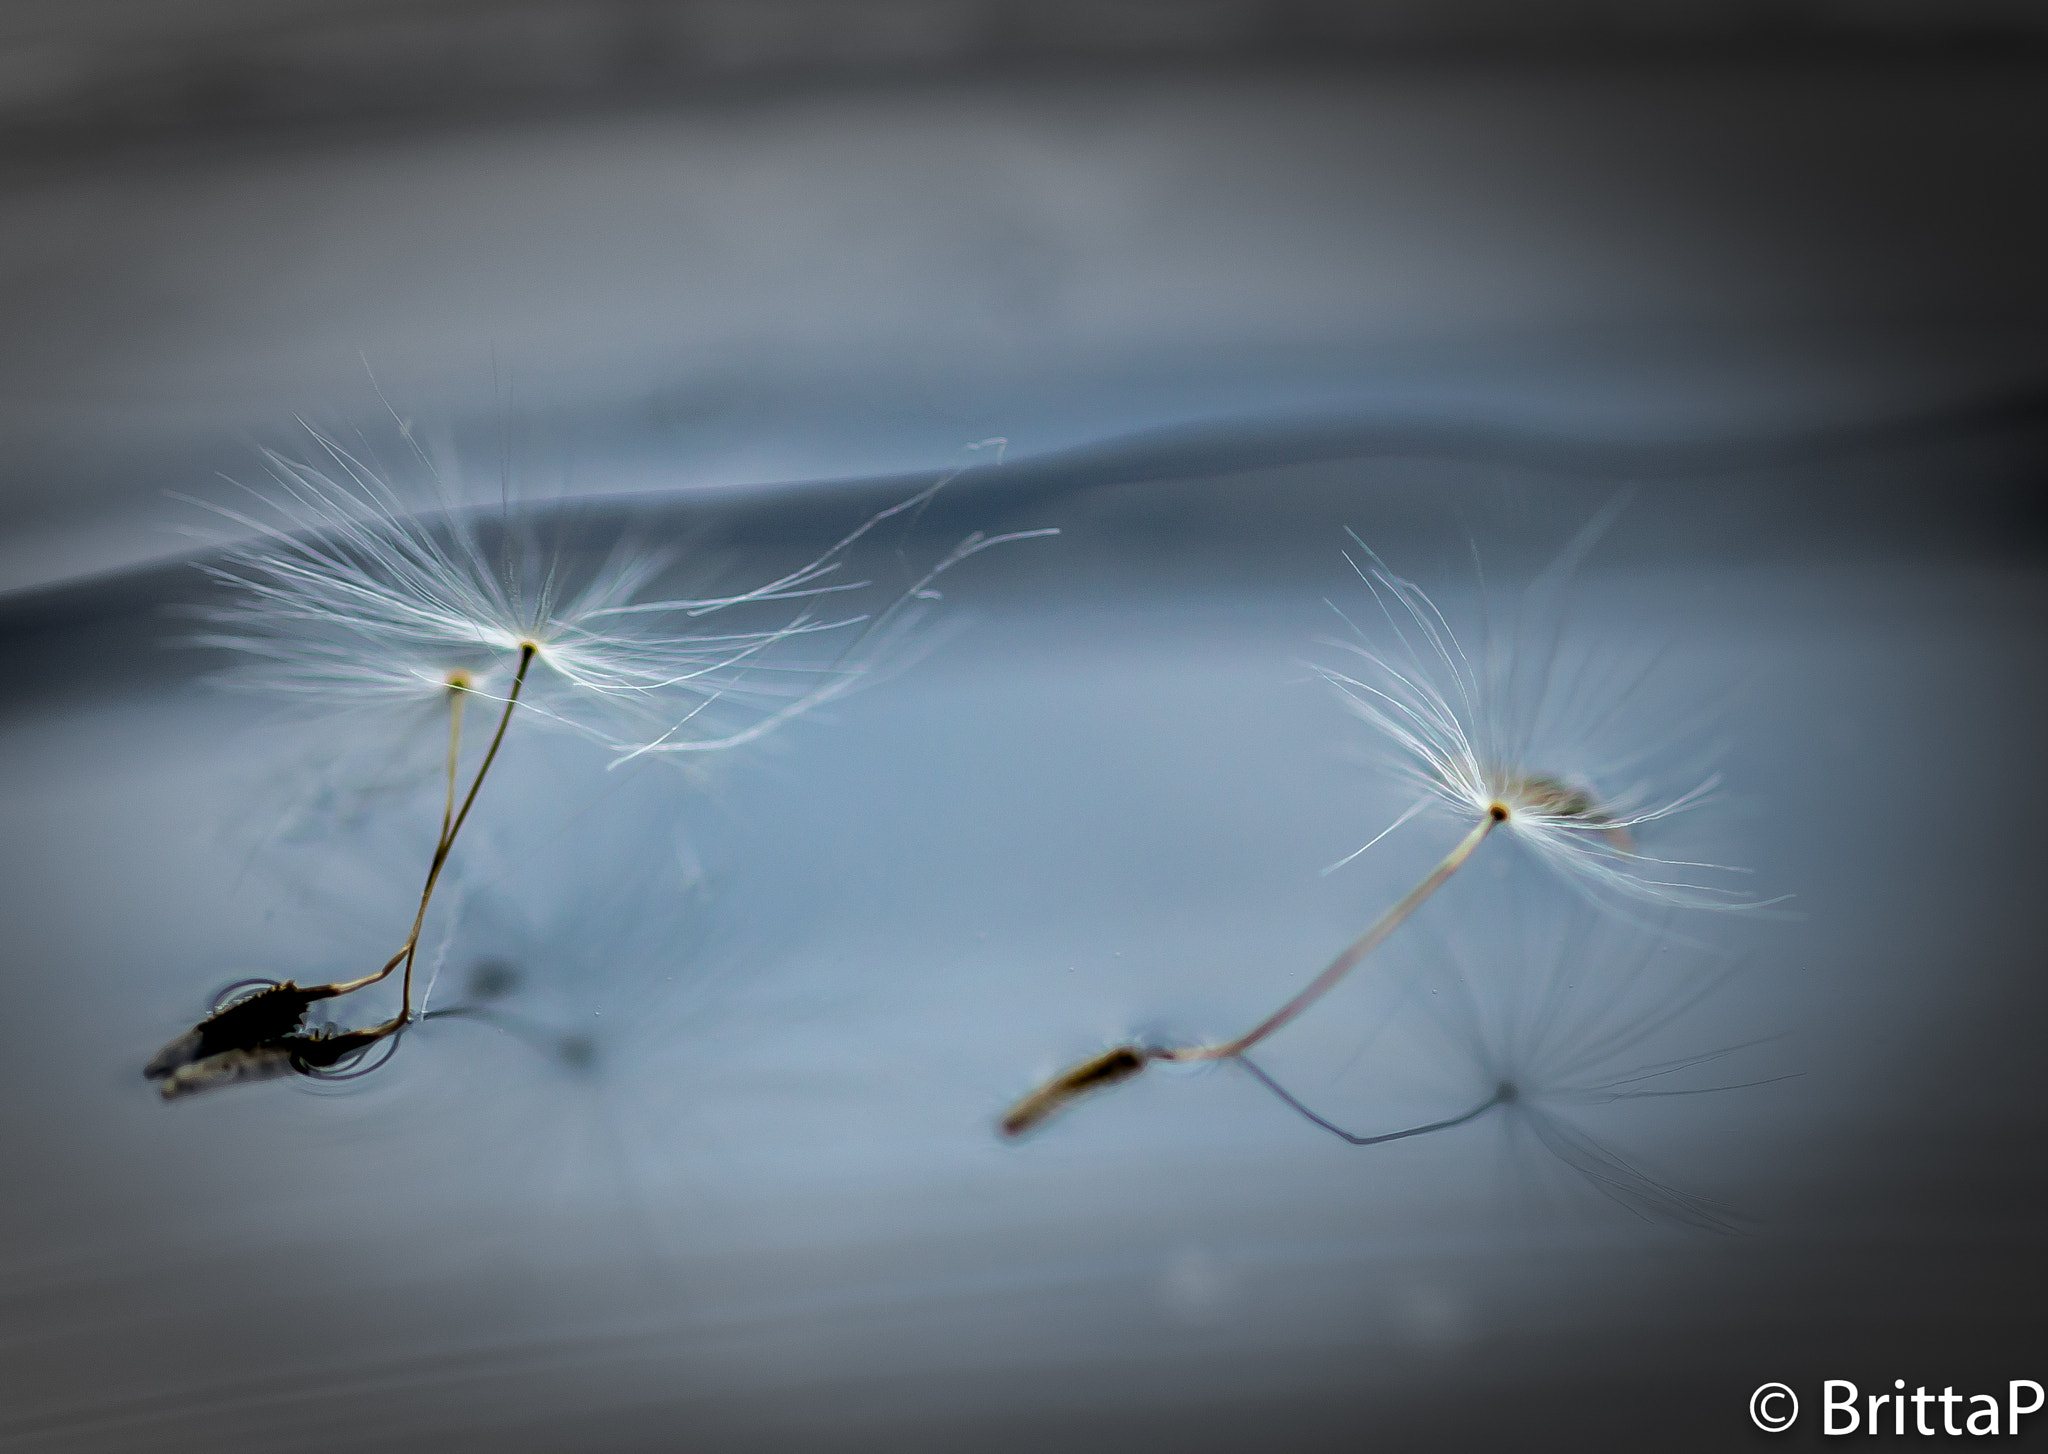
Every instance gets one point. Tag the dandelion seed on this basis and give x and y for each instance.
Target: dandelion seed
(1462, 735)
(346, 598)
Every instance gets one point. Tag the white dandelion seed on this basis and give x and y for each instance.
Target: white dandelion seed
(1464, 735)
(347, 599)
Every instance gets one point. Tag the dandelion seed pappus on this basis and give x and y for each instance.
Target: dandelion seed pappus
(1481, 732)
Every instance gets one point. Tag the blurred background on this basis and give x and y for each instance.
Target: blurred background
(1228, 278)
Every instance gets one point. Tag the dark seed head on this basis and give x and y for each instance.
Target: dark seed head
(268, 1015)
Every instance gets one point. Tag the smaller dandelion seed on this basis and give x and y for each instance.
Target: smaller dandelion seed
(1446, 721)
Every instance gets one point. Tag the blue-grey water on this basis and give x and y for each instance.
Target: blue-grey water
(719, 1169)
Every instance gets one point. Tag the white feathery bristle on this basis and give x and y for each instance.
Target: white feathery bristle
(1464, 735)
(349, 598)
